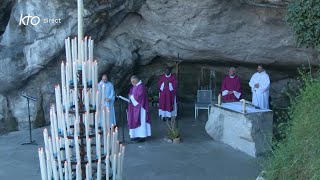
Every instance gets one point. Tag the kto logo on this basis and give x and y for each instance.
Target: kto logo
(33, 20)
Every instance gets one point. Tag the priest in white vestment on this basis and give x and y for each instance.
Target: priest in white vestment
(260, 84)
(109, 97)
(138, 111)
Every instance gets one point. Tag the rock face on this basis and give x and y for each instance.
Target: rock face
(250, 133)
(141, 37)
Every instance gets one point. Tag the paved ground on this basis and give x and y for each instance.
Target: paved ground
(198, 157)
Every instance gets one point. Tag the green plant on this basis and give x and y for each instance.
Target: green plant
(304, 18)
(297, 156)
(173, 132)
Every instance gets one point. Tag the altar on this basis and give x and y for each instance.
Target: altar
(249, 132)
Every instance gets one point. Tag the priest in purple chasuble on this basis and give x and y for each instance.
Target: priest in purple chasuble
(167, 85)
(138, 111)
(231, 87)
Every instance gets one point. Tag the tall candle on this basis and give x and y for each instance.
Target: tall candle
(87, 172)
(89, 150)
(66, 171)
(85, 48)
(54, 169)
(97, 101)
(243, 105)
(78, 171)
(114, 167)
(42, 164)
(68, 157)
(104, 128)
(119, 166)
(99, 170)
(108, 119)
(107, 167)
(45, 138)
(63, 75)
(49, 168)
(74, 75)
(108, 144)
(122, 156)
(113, 143)
(96, 127)
(80, 23)
(98, 146)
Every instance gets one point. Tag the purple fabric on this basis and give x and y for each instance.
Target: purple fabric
(140, 95)
(231, 84)
(166, 99)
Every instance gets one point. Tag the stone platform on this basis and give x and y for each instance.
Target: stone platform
(249, 132)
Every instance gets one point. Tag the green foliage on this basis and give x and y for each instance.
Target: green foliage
(304, 17)
(173, 133)
(298, 155)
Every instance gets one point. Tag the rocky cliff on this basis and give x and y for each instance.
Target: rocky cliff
(140, 36)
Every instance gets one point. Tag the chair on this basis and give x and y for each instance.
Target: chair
(204, 99)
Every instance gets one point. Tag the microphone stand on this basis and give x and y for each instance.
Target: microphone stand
(31, 142)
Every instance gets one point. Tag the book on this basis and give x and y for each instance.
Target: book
(125, 99)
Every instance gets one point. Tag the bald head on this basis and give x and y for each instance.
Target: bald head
(134, 80)
(104, 78)
(232, 71)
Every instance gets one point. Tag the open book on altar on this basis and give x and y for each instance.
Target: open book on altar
(123, 98)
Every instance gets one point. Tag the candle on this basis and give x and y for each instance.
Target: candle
(104, 128)
(77, 146)
(99, 170)
(78, 171)
(108, 144)
(108, 120)
(66, 171)
(96, 127)
(63, 75)
(80, 24)
(42, 164)
(119, 166)
(49, 169)
(84, 74)
(68, 157)
(122, 156)
(97, 101)
(103, 95)
(54, 169)
(114, 167)
(113, 143)
(87, 172)
(219, 99)
(243, 105)
(107, 167)
(98, 146)
(89, 150)
(59, 159)
(85, 48)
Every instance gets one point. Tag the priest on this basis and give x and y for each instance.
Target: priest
(109, 97)
(138, 111)
(260, 84)
(231, 86)
(167, 85)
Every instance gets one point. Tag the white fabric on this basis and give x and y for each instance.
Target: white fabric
(168, 75)
(134, 102)
(169, 114)
(260, 95)
(237, 106)
(162, 87)
(236, 94)
(224, 93)
(170, 87)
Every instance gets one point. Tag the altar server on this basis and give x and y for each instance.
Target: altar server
(109, 97)
(260, 84)
(167, 85)
(231, 86)
(138, 111)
